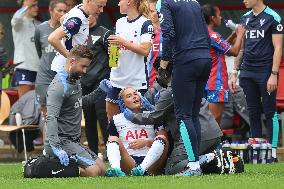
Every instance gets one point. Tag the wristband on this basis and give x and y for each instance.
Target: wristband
(274, 72)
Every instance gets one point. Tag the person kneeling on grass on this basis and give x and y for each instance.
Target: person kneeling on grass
(64, 111)
(135, 149)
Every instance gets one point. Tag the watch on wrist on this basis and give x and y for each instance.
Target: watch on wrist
(274, 72)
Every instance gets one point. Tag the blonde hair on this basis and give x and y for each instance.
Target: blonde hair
(122, 91)
(143, 7)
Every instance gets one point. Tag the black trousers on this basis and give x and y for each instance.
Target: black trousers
(258, 100)
(95, 112)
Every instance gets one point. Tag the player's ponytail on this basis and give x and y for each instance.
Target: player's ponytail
(209, 10)
(143, 7)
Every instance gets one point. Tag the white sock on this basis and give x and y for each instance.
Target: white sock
(153, 154)
(113, 154)
(273, 153)
(206, 158)
(193, 165)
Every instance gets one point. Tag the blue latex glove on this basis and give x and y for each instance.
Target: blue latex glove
(121, 104)
(105, 85)
(128, 114)
(62, 155)
(146, 104)
(156, 97)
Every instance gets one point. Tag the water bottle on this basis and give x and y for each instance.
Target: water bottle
(255, 148)
(18, 118)
(263, 148)
(269, 149)
(230, 24)
(113, 55)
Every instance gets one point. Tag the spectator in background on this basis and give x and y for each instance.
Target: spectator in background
(71, 3)
(3, 54)
(23, 28)
(217, 85)
(157, 42)
(46, 52)
(96, 72)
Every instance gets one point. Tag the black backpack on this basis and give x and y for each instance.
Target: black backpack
(50, 167)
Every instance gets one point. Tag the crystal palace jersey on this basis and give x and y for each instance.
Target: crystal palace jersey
(155, 52)
(258, 47)
(218, 79)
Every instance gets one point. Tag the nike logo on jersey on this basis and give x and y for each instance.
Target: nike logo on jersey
(95, 38)
(84, 29)
(56, 172)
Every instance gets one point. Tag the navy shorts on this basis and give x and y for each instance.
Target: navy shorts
(24, 77)
(138, 159)
(113, 95)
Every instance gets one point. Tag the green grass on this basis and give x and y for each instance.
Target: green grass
(255, 177)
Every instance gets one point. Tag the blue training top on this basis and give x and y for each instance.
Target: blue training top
(184, 31)
(258, 46)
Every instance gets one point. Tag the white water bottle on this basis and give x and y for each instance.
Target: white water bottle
(230, 24)
(255, 148)
(263, 148)
(269, 155)
(18, 118)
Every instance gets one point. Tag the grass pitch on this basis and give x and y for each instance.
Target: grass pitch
(270, 176)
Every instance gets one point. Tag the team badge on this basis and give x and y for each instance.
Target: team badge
(279, 27)
(262, 22)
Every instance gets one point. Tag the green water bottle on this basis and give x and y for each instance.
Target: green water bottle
(113, 55)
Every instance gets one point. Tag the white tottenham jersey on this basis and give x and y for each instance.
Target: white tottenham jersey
(76, 28)
(129, 131)
(131, 70)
